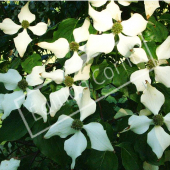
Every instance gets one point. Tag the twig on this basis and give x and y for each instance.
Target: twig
(34, 157)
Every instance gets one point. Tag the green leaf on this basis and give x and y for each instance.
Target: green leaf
(16, 63)
(101, 75)
(165, 17)
(53, 148)
(107, 89)
(65, 29)
(130, 159)
(123, 112)
(155, 31)
(98, 160)
(122, 74)
(3, 90)
(4, 66)
(13, 127)
(30, 62)
(145, 152)
(150, 49)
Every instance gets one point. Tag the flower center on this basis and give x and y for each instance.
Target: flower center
(74, 46)
(68, 81)
(158, 120)
(25, 24)
(23, 84)
(77, 124)
(117, 28)
(151, 63)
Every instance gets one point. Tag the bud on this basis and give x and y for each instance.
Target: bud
(25, 24)
(68, 81)
(151, 63)
(158, 120)
(23, 84)
(77, 124)
(74, 46)
(117, 28)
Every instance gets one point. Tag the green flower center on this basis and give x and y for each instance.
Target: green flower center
(25, 24)
(77, 124)
(74, 46)
(23, 84)
(68, 81)
(151, 63)
(158, 120)
(117, 28)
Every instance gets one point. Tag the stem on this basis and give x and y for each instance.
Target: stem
(34, 157)
(14, 151)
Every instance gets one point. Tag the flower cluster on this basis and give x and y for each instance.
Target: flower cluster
(112, 33)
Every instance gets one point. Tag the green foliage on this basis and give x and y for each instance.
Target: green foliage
(102, 75)
(155, 31)
(65, 29)
(109, 79)
(30, 62)
(128, 156)
(17, 128)
(102, 160)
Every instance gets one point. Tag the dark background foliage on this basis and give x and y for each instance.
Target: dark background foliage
(131, 150)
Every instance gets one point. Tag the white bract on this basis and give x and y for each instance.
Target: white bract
(23, 39)
(12, 164)
(97, 3)
(161, 72)
(103, 21)
(150, 6)
(1, 99)
(152, 99)
(61, 47)
(157, 138)
(76, 144)
(82, 94)
(35, 101)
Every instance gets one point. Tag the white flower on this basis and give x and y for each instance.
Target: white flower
(82, 94)
(125, 3)
(157, 138)
(23, 39)
(35, 101)
(12, 164)
(152, 99)
(97, 44)
(161, 72)
(61, 47)
(150, 6)
(76, 144)
(84, 72)
(102, 21)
